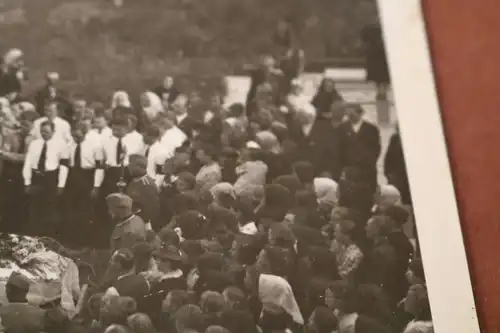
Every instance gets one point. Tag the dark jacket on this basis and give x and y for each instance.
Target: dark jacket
(146, 198)
(395, 168)
(321, 146)
(360, 150)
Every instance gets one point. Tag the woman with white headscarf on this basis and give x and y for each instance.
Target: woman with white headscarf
(120, 99)
(151, 105)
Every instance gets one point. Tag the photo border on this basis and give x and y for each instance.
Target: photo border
(435, 207)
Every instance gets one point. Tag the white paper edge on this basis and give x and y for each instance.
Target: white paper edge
(439, 231)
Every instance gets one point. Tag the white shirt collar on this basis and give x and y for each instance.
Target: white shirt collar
(356, 127)
(181, 117)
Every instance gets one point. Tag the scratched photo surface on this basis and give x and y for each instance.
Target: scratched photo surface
(203, 166)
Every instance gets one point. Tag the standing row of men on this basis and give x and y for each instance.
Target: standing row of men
(69, 170)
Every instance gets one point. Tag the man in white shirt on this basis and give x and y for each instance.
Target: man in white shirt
(134, 139)
(86, 173)
(101, 127)
(171, 138)
(45, 173)
(117, 150)
(62, 129)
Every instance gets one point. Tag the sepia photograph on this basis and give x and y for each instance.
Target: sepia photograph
(215, 166)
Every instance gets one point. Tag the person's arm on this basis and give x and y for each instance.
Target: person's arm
(99, 166)
(63, 166)
(27, 167)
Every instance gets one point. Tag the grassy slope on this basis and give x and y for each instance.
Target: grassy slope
(98, 48)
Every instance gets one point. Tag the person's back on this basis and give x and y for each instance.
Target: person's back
(22, 317)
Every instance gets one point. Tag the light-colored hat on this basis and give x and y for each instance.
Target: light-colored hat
(53, 76)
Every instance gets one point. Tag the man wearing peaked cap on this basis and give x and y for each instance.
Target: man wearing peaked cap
(143, 191)
(120, 208)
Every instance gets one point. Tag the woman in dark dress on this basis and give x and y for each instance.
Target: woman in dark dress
(377, 70)
(325, 97)
(395, 168)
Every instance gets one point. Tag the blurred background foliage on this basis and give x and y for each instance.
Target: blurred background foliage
(98, 48)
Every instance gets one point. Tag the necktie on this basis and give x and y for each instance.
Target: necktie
(43, 157)
(78, 155)
(119, 151)
(147, 152)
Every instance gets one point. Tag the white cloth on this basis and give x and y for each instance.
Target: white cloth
(155, 105)
(62, 129)
(356, 127)
(57, 151)
(172, 139)
(249, 229)
(105, 134)
(276, 291)
(181, 117)
(419, 327)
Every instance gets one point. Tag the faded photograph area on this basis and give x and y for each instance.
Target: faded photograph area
(190, 166)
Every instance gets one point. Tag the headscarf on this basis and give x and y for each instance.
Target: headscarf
(388, 196)
(276, 291)
(155, 105)
(326, 190)
(221, 189)
(268, 141)
(12, 56)
(120, 94)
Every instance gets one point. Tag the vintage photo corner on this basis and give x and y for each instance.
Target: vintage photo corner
(432, 188)
(223, 166)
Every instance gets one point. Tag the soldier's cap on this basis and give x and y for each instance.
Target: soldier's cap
(138, 160)
(119, 200)
(19, 280)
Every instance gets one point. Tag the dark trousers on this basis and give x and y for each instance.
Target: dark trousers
(13, 200)
(43, 207)
(79, 208)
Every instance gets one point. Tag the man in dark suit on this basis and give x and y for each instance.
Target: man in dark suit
(360, 147)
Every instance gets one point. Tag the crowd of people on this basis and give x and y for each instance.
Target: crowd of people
(263, 217)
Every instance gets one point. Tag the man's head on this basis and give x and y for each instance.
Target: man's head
(151, 135)
(27, 118)
(354, 113)
(119, 205)
(100, 121)
(47, 130)
(78, 132)
(120, 127)
(180, 105)
(51, 110)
